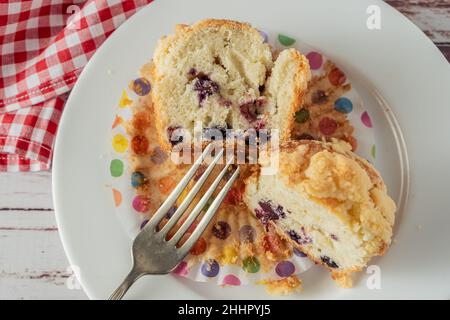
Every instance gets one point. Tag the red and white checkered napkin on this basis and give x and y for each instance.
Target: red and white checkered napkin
(44, 45)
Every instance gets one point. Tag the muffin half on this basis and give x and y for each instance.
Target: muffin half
(332, 204)
(222, 74)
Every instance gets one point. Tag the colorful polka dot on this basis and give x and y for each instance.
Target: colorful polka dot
(137, 179)
(285, 40)
(251, 265)
(117, 197)
(315, 60)
(120, 143)
(125, 100)
(166, 185)
(285, 268)
(231, 280)
(337, 77)
(181, 269)
(141, 86)
(343, 105)
(140, 204)
(373, 151)
(139, 145)
(365, 119)
(117, 121)
(221, 230)
(116, 168)
(199, 247)
(230, 255)
(210, 268)
(327, 126)
(302, 115)
(247, 233)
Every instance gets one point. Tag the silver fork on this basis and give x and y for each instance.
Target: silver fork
(151, 252)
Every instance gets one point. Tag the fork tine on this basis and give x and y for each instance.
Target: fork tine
(167, 204)
(190, 196)
(208, 215)
(198, 208)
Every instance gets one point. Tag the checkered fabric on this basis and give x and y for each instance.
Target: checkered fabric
(44, 45)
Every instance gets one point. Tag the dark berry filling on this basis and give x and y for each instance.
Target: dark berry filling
(260, 124)
(327, 260)
(205, 87)
(225, 102)
(192, 73)
(252, 110)
(301, 238)
(269, 212)
(302, 115)
(221, 230)
(334, 237)
(174, 137)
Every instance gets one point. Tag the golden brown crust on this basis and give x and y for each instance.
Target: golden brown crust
(303, 75)
(215, 23)
(157, 105)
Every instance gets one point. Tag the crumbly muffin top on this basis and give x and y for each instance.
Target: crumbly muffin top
(329, 173)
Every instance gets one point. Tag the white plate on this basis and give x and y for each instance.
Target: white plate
(397, 70)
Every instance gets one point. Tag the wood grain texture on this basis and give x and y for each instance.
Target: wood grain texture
(32, 261)
(34, 191)
(432, 16)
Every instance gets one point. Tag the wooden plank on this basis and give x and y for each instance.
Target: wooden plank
(41, 289)
(445, 49)
(32, 260)
(36, 220)
(33, 264)
(431, 16)
(26, 191)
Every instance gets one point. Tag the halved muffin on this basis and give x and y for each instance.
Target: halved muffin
(331, 203)
(222, 74)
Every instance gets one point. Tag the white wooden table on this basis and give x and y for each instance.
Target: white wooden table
(32, 261)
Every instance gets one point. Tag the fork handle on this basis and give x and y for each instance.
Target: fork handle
(126, 284)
